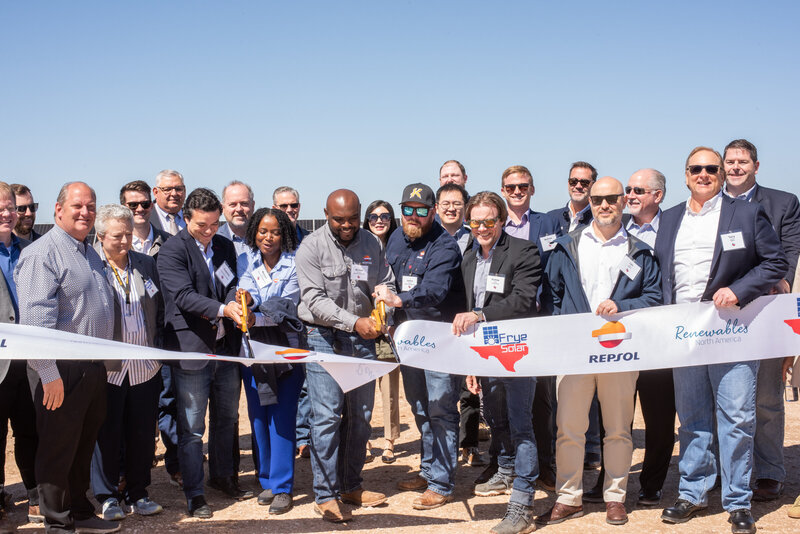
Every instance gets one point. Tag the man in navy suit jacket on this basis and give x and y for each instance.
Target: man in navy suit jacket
(716, 248)
(741, 166)
(198, 278)
(576, 213)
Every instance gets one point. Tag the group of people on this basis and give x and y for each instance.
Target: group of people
(165, 273)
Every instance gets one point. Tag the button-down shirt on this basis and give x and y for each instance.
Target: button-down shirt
(143, 246)
(747, 195)
(65, 289)
(694, 250)
(482, 266)
(330, 295)
(162, 216)
(521, 230)
(282, 281)
(600, 263)
(208, 255)
(462, 238)
(575, 218)
(647, 231)
(8, 261)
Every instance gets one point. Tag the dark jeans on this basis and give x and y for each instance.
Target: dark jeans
(470, 416)
(657, 398)
(167, 422)
(16, 406)
(544, 423)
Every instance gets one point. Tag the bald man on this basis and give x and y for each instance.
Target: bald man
(338, 267)
(603, 249)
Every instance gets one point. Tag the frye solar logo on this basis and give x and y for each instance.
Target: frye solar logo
(491, 336)
(795, 323)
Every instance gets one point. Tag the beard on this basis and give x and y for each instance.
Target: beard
(413, 231)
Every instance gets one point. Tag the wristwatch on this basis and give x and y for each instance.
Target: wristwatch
(479, 313)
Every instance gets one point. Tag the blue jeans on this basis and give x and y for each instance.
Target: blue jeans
(166, 421)
(434, 398)
(339, 421)
(731, 388)
(217, 382)
(768, 445)
(302, 428)
(507, 405)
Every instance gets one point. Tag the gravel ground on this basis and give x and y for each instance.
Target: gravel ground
(466, 514)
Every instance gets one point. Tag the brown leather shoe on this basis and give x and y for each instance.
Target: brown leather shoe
(559, 513)
(34, 514)
(361, 497)
(304, 451)
(430, 500)
(615, 513)
(333, 511)
(413, 484)
(767, 489)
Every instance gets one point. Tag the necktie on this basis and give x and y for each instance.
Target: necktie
(173, 226)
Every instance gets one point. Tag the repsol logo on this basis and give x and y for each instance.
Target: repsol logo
(608, 358)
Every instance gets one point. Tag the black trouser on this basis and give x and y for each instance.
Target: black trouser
(66, 440)
(544, 422)
(16, 405)
(657, 399)
(167, 421)
(129, 427)
(470, 409)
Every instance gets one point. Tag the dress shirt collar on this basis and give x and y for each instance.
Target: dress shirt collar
(163, 214)
(62, 236)
(138, 244)
(712, 204)
(620, 237)
(14, 243)
(522, 220)
(652, 225)
(747, 195)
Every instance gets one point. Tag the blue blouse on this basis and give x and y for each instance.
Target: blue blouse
(283, 280)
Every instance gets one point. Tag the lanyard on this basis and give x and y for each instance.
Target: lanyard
(126, 287)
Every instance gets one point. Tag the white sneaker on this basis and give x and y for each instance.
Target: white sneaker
(112, 511)
(145, 506)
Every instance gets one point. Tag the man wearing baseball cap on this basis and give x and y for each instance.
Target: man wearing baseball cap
(426, 263)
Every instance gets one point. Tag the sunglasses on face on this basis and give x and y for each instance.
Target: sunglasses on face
(293, 205)
(697, 169)
(598, 199)
(476, 223)
(638, 190)
(408, 211)
(510, 188)
(384, 218)
(145, 204)
(584, 182)
(22, 208)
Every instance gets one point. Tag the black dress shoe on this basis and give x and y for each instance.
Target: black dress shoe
(742, 522)
(767, 489)
(198, 508)
(281, 504)
(649, 498)
(681, 512)
(230, 488)
(265, 497)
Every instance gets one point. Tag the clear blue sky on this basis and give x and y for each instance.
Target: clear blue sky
(376, 95)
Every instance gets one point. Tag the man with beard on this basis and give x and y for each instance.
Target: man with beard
(577, 212)
(26, 208)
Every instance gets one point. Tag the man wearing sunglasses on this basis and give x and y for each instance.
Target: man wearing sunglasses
(599, 269)
(287, 199)
(169, 192)
(576, 213)
(147, 239)
(426, 263)
(26, 209)
(741, 166)
(715, 248)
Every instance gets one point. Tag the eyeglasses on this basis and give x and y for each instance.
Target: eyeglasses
(454, 205)
(293, 205)
(408, 211)
(384, 217)
(145, 204)
(510, 188)
(597, 200)
(22, 208)
(585, 182)
(488, 223)
(176, 189)
(697, 169)
(638, 190)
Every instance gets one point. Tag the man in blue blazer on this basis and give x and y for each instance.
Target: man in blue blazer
(718, 249)
(741, 166)
(577, 212)
(198, 279)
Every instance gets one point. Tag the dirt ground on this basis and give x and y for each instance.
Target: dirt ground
(466, 514)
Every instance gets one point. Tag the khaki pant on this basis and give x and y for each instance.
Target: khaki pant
(616, 394)
(389, 386)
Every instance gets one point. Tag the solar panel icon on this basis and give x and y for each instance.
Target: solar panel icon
(491, 336)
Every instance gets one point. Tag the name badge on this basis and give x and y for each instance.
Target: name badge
(495, 283)
(630, 268)
(150, 287)
(131, 324)
(224, 274)
(261, 277)
(359, 272)
(732, 241)
(409, 282)
(548, 242)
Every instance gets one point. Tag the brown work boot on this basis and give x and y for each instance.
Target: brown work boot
(615, 513)
(413, 484)
(430, 500)
(559, 513)
(361, 497)
(34, 514)
(333, 511)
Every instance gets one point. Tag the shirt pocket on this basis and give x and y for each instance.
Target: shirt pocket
(336, 277)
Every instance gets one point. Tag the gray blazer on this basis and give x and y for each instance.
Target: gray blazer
(7, 314)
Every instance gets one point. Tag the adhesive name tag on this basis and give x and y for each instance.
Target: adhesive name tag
(224, 274)
(630, 268)
(150, 287)
(409, 282)
(359, 272)
(732, 241)
(131, 324)
(261, 277)
(548, 242)
(495, 283)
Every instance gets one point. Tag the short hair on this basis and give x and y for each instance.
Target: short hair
(487, 198)
(20, 189)
(584, 165)
(697, 149)
(62, 194)
(140, 186)
(743, 144)
(111, 212)
(658, 180)
(460, 166)
(288, 233)
(285, 189)
(516, 169)
(447, 188)
(8, 190)
(237, 182)
(380, 204)
(168, 172)
(201, 199)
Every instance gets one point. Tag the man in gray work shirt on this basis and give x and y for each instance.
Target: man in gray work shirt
(338, 267)
(65, 289)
